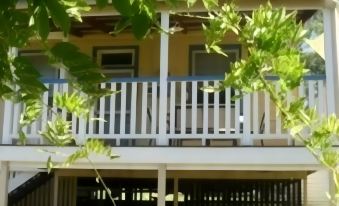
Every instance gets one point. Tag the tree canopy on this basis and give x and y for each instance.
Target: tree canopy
(272, 36)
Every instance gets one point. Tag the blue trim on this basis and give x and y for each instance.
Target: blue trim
(53, 81)
(135, 79)
(306, 78)
(196, 78)
(220, 78)
(125, 79)
(177, 79)
(315, 77)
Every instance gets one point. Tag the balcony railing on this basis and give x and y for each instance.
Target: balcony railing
(132, 115)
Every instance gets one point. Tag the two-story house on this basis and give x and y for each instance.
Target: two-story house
(177, 144)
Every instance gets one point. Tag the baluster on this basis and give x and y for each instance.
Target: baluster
(144, 108)
(123, 109)
(172, 108)
(112, 109)
(267, 114)
(102, 111)
(321, 98)
(278, 116)
(183, 108)
(228, 110)
(255, 111)
(237, 114)
(194, 107)
(133, 107)
(311, 93)
(205, 110)
(216, 110)
(154, 108)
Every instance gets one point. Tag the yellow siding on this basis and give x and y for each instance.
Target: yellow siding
(149, 49)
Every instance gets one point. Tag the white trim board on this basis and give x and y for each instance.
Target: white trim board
(243, 158)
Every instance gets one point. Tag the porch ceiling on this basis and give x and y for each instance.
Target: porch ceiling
(105, 24)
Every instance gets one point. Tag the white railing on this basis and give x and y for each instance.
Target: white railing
(133, 113)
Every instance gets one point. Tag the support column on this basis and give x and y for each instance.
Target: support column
(330, 44)
(163, 79)
(175, 191)
(7, 110)
(55, 189)
(4, 176)
(331, 65)
(161, 185)
(335, 27)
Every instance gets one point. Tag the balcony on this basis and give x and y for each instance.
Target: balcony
(193, 117)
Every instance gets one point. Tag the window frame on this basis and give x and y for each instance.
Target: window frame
(195, 49)
(36, 52)
(131, 70)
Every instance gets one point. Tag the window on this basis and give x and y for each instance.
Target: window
(117, 61)
(203, 63)
(40, 62)
(212, 64)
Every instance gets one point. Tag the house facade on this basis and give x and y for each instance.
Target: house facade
(177, 144)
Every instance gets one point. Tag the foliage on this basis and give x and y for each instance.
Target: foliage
(91, 146)
(273, 38)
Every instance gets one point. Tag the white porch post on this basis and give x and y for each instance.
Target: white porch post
(161, 185)
(7, 110)
(335, 27)
(331, 46)
(331, 64)
(163, 79)
(4, 176)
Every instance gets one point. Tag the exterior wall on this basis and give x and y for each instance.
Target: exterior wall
(67, 191)
(18, 178)
(40, 196)
(179, 50)
(317, 187)
(149, 49)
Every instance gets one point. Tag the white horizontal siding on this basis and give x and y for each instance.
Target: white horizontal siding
(317, 187)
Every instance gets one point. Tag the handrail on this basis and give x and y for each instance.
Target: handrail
(220, 78)
(120, 80)
(179, 78)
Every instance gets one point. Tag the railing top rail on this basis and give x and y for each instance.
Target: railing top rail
(219, 78)
(178, 78)
(120, 80)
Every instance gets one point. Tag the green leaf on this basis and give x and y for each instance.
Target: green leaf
(125, 7)
(74, 103)
(191, 3)
(32, 110)
(121, 25)
(42, 22)
(101, 3)
(210, 4)
(84, 72)
(141, 24)
(59, 15)
(22, 137)
(4, 90)
(49, 164)
(58, 132)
